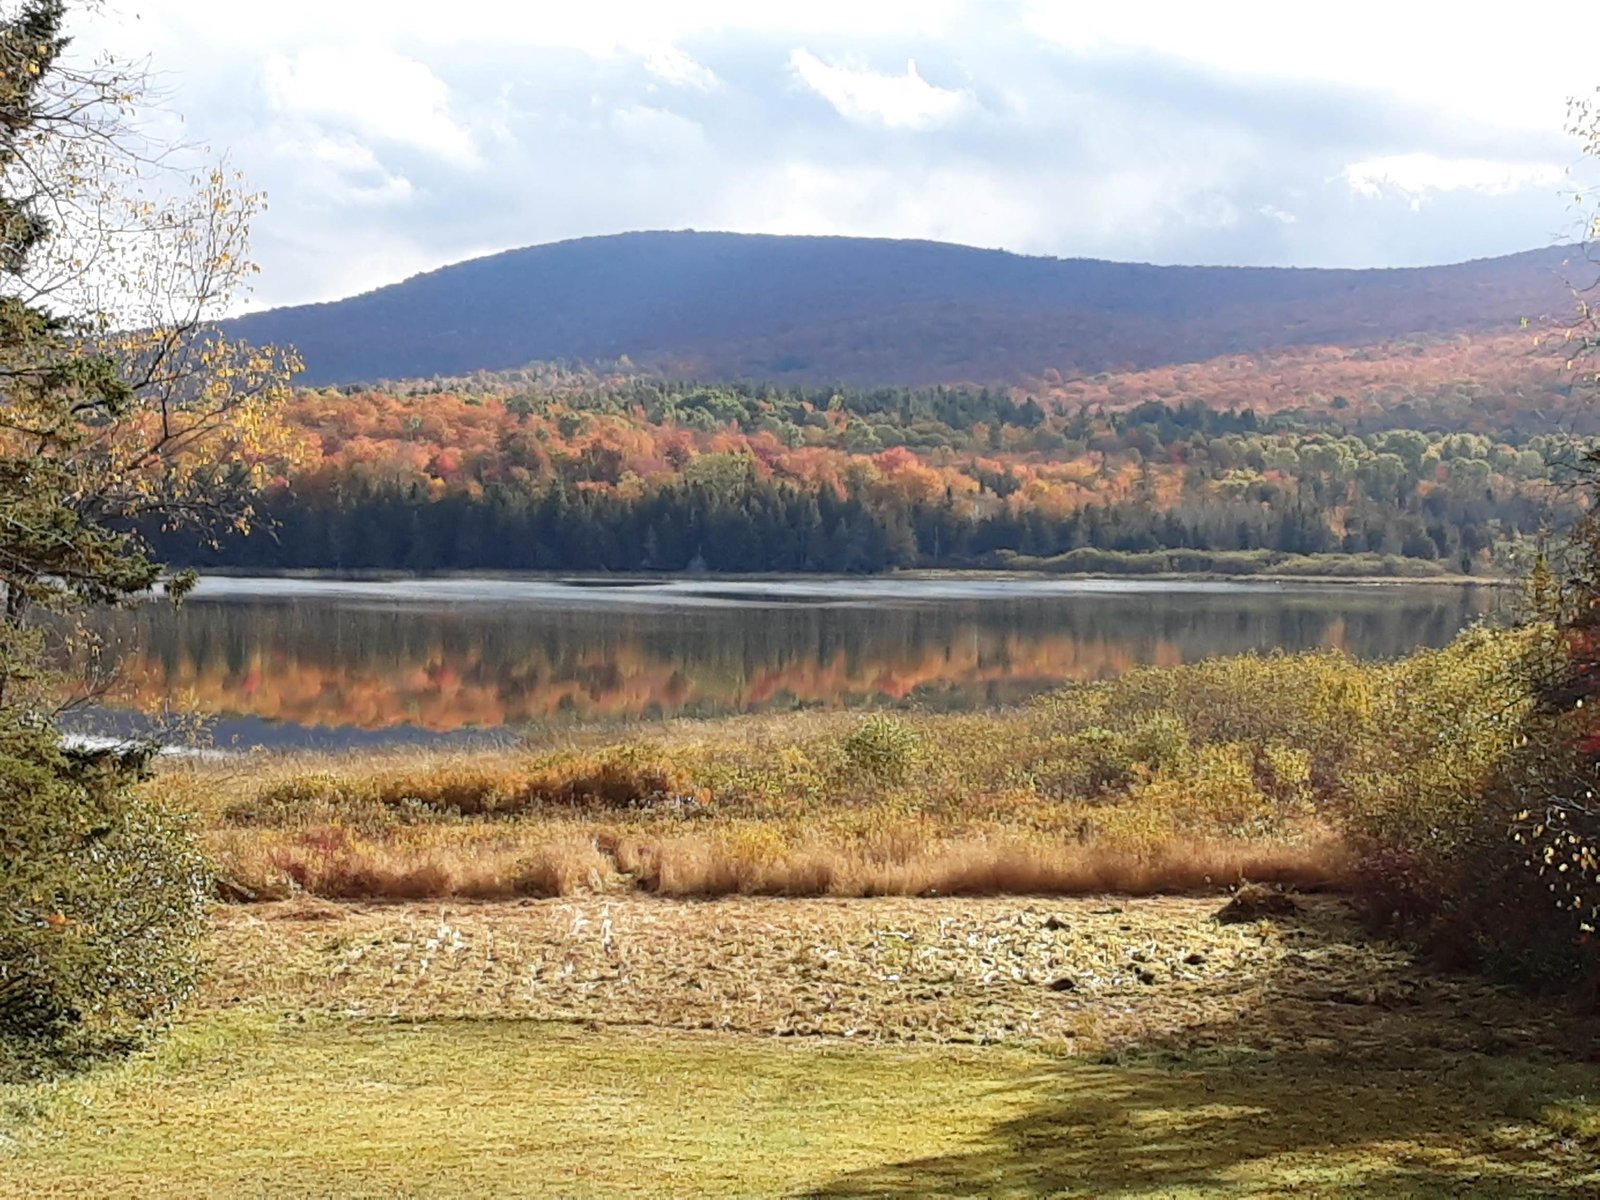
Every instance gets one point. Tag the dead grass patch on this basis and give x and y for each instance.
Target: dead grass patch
(712, 865)
(566, 858)
(337, 863)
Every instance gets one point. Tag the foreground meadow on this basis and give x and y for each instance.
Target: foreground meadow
(762, 1047)
(1119, 941)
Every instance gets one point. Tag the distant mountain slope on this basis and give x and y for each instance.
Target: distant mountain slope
(874, 311)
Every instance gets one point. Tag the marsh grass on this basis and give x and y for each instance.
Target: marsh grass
(542, 859)
(1164, 780)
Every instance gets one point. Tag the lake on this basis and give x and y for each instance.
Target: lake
(297, 663)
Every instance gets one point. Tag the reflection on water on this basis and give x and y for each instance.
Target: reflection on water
(291, 662)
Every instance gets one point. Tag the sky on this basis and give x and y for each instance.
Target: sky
(392, 136)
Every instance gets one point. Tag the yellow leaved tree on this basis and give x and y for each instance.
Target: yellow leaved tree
(117, 388)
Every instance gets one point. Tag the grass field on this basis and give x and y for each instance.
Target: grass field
(749, 1047)
(260, 1107)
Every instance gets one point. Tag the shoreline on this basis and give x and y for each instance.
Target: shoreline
(580, 579)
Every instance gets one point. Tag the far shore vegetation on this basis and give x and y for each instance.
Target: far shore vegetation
(563, 471)
(1076, 564)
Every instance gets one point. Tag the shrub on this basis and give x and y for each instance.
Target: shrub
(1159, 742)
(102, 900)
(1451, 719)
(618, 777)
(1321, 704)
(1098, 760)
(1459, 814)
(882, 748)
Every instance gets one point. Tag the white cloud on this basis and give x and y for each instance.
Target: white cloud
(597, 27)
(657, 129)
(354, 173)
(1417, 175)
(374, 92)
(898, 101)
(1163, 131)
(1510, 72)
(672, 66)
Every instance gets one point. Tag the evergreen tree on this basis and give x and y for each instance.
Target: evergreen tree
(101, 432)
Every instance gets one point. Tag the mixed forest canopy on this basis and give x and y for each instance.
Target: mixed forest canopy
(1414, 456)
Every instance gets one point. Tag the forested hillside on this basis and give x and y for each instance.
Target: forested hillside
(871, 312)
(1417, 456)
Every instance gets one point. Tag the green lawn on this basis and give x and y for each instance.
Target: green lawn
(253, 1105)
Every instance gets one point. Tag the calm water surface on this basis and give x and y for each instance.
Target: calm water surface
(295, 662)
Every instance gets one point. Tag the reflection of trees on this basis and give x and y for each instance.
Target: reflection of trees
(324, 664)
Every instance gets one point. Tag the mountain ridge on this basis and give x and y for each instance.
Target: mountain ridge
(876, 311)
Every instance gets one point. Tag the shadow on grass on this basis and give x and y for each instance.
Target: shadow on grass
(1353, 1070)
(1283, 1129)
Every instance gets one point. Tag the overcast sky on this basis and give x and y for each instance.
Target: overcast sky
(394, 136)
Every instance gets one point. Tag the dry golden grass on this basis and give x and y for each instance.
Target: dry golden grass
(978, 865)
(566, 858)
(340, 864)
(579, 768)
(618, 778)
(1162, 781)
(1166, 780)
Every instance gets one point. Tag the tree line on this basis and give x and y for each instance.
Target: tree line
(645, 476)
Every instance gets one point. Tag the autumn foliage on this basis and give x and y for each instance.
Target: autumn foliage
(1434, 451)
